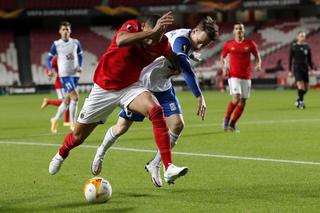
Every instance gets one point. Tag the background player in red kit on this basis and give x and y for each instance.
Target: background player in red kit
(59, 89)
(239, 50)
(135, 45)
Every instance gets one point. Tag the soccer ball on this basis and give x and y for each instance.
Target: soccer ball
(97, 190)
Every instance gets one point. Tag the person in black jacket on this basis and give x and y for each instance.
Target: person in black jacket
(301, 59)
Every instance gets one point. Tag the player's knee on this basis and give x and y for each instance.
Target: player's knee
(78, 137)
(242, 102)
(177, 127)
(75, 98)
(236, 98)
(155, 112)
(67, 101)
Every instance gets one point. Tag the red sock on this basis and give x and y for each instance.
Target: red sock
(54, 102)
(66, 116)
(237, 113)
(161, 135)
(68, 144)
(230, 109)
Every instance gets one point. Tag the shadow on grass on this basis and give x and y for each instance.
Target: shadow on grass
(135, 195)
(286, 193)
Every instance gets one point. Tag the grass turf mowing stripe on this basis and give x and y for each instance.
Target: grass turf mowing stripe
(263, 122)
(176, 153)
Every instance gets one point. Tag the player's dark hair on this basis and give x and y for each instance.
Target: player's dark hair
(239, 23)
(150, 20)
(209, 25)
(64, 24)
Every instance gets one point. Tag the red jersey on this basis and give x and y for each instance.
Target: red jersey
(239, 57)
(54, 64)
(118, 68)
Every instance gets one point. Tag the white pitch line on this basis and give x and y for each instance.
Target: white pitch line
(261, 122)
(176, 153)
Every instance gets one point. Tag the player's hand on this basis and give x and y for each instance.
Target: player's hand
(290, 74)
(225, 71)
(258, 68)
(196, 57)
(162, 23)
(202, 107)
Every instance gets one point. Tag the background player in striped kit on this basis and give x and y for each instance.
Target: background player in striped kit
(69, 56)
(59, 90)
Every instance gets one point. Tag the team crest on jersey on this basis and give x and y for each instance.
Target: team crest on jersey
(233, 48)
(246, 49)
(70, 56)
(184, 48)
(173, 106)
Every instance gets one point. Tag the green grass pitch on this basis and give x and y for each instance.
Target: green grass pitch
(228, 172)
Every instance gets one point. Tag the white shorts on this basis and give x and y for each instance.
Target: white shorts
(60, 93)
(240, 86)
(101, 103)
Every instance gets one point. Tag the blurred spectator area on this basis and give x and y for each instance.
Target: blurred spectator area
(8, 4)
(8, 59)
(94, 41)
(47, 4)
(273, 40)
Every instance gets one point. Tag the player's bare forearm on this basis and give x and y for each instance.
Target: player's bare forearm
(126, 39)
(258, 63)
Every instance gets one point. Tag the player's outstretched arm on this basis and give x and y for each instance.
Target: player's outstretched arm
(191, 81)
(51, 54)
(80, 58)
(127, 38)
(258, 62)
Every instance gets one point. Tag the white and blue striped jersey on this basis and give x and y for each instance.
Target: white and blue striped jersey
(156, 77)
(69, 56)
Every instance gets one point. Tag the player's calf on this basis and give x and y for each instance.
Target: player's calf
(44, 104)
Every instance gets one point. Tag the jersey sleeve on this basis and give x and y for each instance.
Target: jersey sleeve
(254, 49)
(79, 53)
(181, 47)
(168, 49)
(130, 26)
(225, 50)
(52, 52)
(188, 75)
